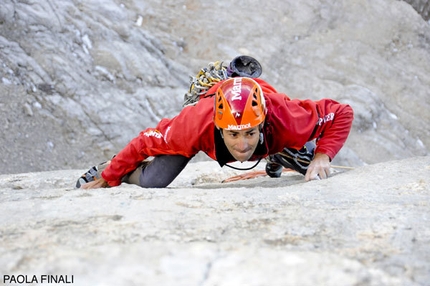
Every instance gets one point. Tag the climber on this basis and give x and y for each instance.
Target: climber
(236, 118)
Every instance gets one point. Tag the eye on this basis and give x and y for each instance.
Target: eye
(252, 132)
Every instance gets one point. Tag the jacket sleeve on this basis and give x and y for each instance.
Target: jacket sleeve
(333, 126)
(295, 121)
(180, 135)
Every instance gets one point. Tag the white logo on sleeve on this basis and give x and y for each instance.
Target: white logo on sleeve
(153, 133)
(325, 119)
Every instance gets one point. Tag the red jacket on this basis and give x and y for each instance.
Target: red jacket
(289, 123)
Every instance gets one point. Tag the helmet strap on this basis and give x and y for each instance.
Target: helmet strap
(220, 131)
(261, 133)
(245, 169)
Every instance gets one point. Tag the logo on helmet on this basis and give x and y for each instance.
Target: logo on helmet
(236, 89)
(239, 127)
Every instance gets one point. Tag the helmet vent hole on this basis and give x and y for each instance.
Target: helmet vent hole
(254, 97)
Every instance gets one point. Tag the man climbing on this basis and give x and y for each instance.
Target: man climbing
(232, 115)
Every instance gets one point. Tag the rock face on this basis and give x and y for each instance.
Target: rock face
(368, 226)
(74, 82)
(422, 7)
(80, 79)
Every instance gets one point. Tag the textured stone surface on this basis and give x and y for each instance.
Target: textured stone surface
(368, 226)
(422, 7)
(79, 79)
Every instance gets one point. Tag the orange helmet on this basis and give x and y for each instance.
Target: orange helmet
(239, 104)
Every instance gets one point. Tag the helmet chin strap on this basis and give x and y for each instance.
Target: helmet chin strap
(245, 169)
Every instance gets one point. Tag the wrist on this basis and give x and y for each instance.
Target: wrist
(322, 156)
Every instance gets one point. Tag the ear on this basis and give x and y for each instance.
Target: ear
(261, 133)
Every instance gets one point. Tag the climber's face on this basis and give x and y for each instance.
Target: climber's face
(241, 144)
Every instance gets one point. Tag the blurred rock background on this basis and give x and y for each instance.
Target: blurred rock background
(79, 79)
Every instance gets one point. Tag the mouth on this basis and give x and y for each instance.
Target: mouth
(242, 156)
(243, 151)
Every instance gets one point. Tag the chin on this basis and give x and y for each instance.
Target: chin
(242, 158)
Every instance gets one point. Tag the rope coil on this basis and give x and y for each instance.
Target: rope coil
(205, 79)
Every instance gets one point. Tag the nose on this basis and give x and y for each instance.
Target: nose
(242, 144)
